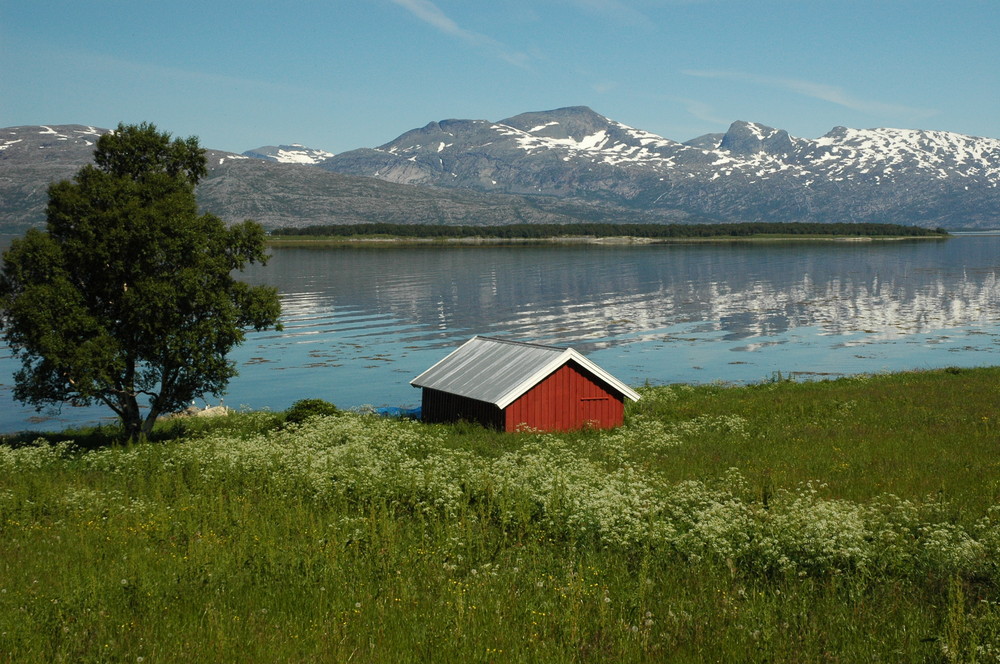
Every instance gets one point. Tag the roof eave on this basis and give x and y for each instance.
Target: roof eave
(532, 380)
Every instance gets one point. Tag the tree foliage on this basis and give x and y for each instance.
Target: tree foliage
(128, 294)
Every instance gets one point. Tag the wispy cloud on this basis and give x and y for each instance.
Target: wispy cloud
(625, 11)
(604, 87)
(829, 93)
(135, 72)
(614, 9)
(701, 111)
(431, 14)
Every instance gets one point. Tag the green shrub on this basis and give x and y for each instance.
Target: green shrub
(303, 409)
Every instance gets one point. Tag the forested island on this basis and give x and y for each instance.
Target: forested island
(653, 232)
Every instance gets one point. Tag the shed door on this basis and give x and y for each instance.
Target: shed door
(594, 411)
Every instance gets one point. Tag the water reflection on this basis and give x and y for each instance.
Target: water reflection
(601, 296)
(360, 322)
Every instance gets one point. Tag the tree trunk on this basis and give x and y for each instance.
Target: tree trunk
(131, 417)
(147, 424)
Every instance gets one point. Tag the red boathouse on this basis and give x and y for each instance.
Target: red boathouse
(509, 385)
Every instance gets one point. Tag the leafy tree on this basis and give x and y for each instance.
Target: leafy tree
(128, 294)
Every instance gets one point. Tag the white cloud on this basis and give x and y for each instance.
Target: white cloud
(431, 14)
(702, 111)
(829, 93)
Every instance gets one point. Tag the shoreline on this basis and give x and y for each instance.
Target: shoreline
(108, 422)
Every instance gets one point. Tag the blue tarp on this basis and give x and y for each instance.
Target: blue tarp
(396, 411)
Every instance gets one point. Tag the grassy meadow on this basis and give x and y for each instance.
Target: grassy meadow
(855, 520)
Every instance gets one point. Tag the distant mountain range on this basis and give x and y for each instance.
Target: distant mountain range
(563, 166)
(750, 173)
(282, 194)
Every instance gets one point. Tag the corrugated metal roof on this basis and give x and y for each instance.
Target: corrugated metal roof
(498, 371)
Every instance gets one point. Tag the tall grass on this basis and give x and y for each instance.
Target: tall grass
(852, 521)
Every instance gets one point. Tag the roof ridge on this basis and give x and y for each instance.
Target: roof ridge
(515, 342)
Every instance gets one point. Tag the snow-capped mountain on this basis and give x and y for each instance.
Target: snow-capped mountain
(752, 172)
(238, 187)
(563, 166)
(289, 154)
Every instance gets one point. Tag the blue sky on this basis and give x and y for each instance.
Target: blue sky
(343, 74)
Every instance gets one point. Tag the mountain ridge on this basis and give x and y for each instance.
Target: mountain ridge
(276, 194)
(566, 165)
(754, 173)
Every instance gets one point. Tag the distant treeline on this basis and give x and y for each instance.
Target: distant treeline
(540, 231)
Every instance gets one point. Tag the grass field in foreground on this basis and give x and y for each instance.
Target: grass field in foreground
(846, 521)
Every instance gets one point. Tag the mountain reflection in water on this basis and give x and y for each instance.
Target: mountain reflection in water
(360, 322)
(601, 295)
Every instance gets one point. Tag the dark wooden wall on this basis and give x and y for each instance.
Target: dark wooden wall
(438, 406)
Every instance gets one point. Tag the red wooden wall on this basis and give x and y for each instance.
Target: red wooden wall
(567, 399)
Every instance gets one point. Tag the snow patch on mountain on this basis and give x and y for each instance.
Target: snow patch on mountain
(73, 135)
(614, 143)
(935, 151)
(542, 126)
(289, 154)
(27, 137)
(528, 142)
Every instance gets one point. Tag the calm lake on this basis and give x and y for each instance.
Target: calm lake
(359, 323)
